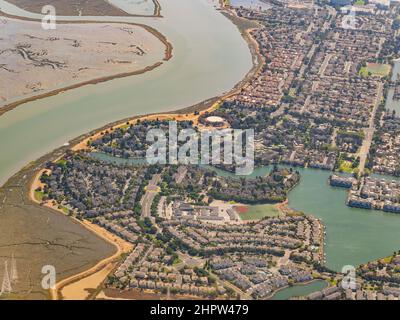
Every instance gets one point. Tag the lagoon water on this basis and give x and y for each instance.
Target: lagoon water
(299, 290)
(353, 236)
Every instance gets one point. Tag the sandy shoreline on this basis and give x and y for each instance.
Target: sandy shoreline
(151, 30)
(98, 273)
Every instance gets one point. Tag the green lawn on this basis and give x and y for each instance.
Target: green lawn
(360, 2)
(375, 69)
(346, 166)
(176, 261)
(260, 211)
(388, 259)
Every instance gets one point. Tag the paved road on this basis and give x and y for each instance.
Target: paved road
(369, 132)
(151, 191)
(324, 64)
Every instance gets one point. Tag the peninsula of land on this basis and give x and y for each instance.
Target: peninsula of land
(75, 55)
(91, 7)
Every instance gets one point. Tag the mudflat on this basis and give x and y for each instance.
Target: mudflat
(72, 8)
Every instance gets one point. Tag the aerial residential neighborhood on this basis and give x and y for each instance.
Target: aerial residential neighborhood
(228, 150)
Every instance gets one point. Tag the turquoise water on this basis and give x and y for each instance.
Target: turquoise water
(117, 160)
(300, 290)
(353, 236)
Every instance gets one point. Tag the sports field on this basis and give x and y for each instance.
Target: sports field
(257, 212)
(375, 69)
